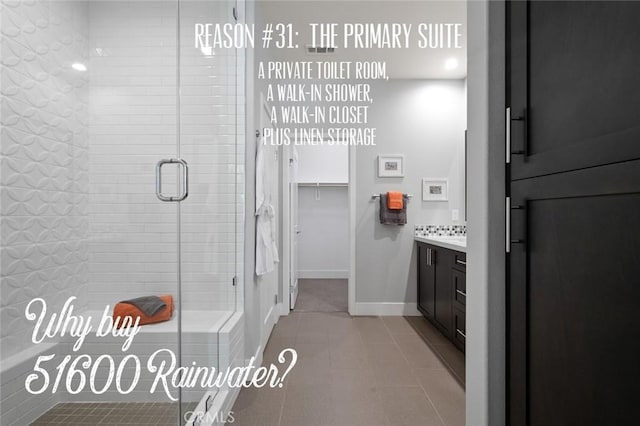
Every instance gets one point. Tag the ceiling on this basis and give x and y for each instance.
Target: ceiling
(410, 63)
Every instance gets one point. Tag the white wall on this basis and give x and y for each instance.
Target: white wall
(269, 282)
(323, 244)
(486, 339)
(257, 300)
(425, 121)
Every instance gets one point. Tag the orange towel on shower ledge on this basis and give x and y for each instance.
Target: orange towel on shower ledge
(123, 310)
(395, 200)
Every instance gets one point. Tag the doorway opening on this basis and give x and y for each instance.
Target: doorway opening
(317, 184)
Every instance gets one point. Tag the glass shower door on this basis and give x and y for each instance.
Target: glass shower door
(211, 216)
(134, 198)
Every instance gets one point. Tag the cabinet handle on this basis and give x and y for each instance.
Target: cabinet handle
(507, 222)
(508, 136)
(508, 120)
(461, 293)
(460, 332)
(429, 257)
(461, 262)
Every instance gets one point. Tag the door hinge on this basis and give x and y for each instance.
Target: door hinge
(235, 14)
(234, 281)
(276, 299)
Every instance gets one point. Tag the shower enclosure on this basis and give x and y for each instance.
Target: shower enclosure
(122, 155)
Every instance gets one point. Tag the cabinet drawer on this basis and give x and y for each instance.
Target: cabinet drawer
(459, 289)
(459, 329)
(460, 261)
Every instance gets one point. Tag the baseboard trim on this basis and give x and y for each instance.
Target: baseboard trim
(258, 357)
(323, 275)
(283, 310)
(387, 309)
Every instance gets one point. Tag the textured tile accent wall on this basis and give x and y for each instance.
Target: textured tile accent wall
(44, 182)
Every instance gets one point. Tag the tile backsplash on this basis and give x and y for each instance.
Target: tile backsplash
(441, 230)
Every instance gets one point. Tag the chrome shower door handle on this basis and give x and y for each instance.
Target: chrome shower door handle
(184, 178)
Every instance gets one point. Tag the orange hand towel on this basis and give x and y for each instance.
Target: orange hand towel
(395, 200)
(124, 310)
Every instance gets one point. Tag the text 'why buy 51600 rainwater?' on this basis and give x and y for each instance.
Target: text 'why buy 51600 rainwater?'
(77, 371)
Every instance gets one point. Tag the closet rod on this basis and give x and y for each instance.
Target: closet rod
(320, 185)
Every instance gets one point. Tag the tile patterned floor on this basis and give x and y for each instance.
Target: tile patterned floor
(355, 371)
(322, 296)
(116, 413)
(450, 356)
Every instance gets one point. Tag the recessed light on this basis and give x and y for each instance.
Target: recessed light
(451, 64)
(79, 67)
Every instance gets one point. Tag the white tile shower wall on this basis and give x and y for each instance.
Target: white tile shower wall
(133, 125)
(231, 338)
(44, 162)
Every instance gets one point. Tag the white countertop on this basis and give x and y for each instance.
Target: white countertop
(458, 243)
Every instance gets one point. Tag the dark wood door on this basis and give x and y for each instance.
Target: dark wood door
(426, 281)
(573, 293)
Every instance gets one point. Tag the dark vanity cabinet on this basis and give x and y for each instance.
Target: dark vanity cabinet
(459, 298)
(442, 290)
(427, 281)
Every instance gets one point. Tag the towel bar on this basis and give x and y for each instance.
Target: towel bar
(374, 196)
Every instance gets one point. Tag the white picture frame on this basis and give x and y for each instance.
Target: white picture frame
(391, 165)
(435, 189)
